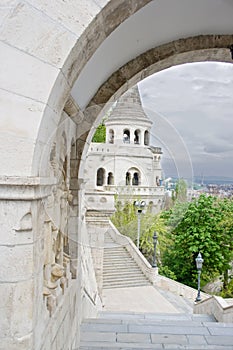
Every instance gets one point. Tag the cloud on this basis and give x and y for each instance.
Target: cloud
(195, 100)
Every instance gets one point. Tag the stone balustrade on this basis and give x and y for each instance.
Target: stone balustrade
(222, 309)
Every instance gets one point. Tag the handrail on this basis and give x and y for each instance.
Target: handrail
(216, 306)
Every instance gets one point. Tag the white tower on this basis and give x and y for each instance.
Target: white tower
(126, 163)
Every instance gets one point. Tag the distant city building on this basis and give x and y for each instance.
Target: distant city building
(127, 164)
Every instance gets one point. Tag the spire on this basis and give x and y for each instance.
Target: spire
(129, 109)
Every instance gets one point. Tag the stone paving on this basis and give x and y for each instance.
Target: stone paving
(155, 331)
(148, 318)
(137, 299)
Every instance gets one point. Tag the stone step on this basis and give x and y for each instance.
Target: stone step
(116, 253)
(120, 264)
(125, 284)
(155, 331)
(121, 270)
(150, 317)
(119, 257)
(119, 276)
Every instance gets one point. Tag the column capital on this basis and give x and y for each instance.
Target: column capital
(25, 188)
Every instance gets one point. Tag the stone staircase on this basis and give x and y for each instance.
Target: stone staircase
(155, 331)
(119, 268)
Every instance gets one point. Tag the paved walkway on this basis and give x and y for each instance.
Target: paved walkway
(144, 299)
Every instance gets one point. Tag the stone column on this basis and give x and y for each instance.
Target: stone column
(21, 257)
(100, 206)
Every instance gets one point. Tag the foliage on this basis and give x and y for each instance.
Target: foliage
(165, 271)
(126, 220)
(204, 225)
(202, 230)
(228, 292)
(180, 193)
(175, 214)
(100, 134)
(149, 224)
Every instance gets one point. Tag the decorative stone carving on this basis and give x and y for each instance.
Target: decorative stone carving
(57, 267)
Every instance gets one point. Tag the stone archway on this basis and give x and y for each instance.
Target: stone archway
(40, 64)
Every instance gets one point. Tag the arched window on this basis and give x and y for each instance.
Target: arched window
(150, 206)
(100, 177)
(127, 178)
(137, 137)
(111, 136)
(135, 181)
(110, 179)
(146, 138)
(126, 136)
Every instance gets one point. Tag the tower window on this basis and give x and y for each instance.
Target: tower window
(137, 137)
(111, 136)
(127, 178)
(135, 181)
(100, 177)
(146, 138)
(110, 179)
(126, 136)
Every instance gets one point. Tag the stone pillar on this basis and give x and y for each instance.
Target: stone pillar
(100, 206)
(21, 257)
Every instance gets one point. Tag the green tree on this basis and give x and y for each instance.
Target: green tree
(180, 193)
(200, 230)
(100, 134)
(126, 220)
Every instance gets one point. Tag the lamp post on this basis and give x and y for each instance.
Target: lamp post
(140, 205)
(155, 239)
(199, 262)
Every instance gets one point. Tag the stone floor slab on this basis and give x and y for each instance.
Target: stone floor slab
(98, 336)
(169, 339)
(104, 327)
(138, 299)
(168, 329)
(221, 330)
(121, 346)
(220, 340)
(196, 339)
(133, 338)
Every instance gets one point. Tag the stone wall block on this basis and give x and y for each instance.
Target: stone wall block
(22, 67)
(115, 13)
(74, 15)
(22, 317)
(25, 342)
(6, 297)
(74, 211)
(74, 169)
(23, 269)
(94, 36)
(16, 222)
(74, 184)
(37, 34)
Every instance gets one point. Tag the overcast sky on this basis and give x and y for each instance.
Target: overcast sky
(192, 110)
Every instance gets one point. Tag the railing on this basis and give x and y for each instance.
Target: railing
(178, 288)
(221, 309)
(136, 190)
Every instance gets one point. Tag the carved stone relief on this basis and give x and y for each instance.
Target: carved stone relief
(57, 273)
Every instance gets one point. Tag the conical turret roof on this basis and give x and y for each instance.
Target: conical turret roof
(129, 110)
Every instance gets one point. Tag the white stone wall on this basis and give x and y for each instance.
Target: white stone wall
(118, 160)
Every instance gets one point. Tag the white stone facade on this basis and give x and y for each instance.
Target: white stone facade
(126, 164)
